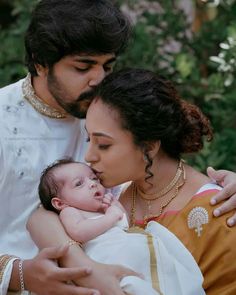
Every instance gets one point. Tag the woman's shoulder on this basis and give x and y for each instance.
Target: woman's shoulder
(208, 187)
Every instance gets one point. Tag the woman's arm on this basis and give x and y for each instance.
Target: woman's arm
(47, 231)
(227, 180)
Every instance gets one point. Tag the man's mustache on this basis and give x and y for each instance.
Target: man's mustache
(88, 95)
(79, 107)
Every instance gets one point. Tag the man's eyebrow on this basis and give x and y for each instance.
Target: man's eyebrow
(111, 60)
(93, 62)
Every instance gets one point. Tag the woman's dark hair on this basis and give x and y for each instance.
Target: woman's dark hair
(65, 27)
(151, 109)
(48, 185)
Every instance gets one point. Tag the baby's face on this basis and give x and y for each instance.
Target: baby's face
(80, 187)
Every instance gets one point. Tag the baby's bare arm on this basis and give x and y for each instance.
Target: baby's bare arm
(84, 229)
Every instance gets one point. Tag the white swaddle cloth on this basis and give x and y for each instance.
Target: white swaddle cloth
(167, 266)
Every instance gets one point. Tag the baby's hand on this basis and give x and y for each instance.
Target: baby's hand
(107, 200)
(115, 211)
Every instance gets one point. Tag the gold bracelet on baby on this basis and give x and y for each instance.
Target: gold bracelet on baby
(73, 242)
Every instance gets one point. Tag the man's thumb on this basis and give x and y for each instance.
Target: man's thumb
(217, 176)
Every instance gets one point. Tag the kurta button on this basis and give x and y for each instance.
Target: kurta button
(21, 174)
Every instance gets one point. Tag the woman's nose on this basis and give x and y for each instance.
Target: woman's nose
(90, 155)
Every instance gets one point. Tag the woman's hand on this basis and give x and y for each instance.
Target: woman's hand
(227, 180)
(43, 276)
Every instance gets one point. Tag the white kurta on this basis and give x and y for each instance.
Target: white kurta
(29, 142)
(167, 266)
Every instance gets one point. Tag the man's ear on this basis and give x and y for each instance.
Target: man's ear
(41, 71)
(58, 203)
(152, 148)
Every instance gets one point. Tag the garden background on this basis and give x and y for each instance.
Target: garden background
(192, 42)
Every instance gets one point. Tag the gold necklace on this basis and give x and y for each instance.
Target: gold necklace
(37, 103)
(162, 206)
(166, 189)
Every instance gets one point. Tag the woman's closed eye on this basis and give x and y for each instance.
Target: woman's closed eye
(103, 146)
(95, 178)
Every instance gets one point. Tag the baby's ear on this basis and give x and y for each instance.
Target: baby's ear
(58, 203)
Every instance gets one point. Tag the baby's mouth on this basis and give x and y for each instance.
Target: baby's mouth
(98, 195)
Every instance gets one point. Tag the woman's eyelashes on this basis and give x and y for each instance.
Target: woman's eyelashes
(103, 146)
(100, 145)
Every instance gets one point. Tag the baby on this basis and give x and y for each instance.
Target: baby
(99, 222)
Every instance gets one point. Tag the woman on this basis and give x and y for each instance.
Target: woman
(138, 128)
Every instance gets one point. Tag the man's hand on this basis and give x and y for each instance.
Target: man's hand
(227, 180)
(43, 276)
(106, 278)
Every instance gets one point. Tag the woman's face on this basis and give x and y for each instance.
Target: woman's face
(111, 151)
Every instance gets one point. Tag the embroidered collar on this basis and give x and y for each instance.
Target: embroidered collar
(37, 103)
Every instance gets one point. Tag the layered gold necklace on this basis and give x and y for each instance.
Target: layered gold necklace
(38, 104)
(176, 183)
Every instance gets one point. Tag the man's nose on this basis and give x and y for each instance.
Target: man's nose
(97, 77)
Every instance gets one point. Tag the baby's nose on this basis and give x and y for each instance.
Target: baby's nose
(92, 184)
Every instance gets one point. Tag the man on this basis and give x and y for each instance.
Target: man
(71, 45)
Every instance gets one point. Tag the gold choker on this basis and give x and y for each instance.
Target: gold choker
(37, 103)
(177, 182)
(165, 190)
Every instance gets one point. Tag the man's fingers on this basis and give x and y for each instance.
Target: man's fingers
(54, 252)
(123, 272)
(232, 220)
(73, 273)
(75, 290)
(217, 176)
(227, 206)
(225, 193)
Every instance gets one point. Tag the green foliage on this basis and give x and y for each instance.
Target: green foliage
(12, 39)
(202, 64)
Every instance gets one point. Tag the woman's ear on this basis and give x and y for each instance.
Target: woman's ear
(152, 148)
(58, 203)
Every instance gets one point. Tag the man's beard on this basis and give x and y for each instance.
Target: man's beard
(78, 107)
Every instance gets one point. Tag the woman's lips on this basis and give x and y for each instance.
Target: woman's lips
(98, 173)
